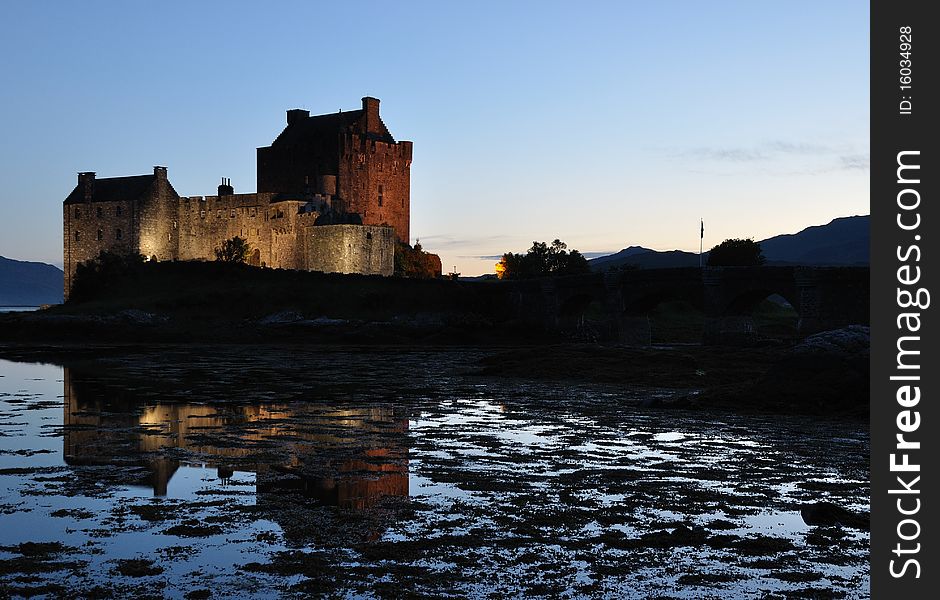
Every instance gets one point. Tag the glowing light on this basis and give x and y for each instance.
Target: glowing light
(501, 268)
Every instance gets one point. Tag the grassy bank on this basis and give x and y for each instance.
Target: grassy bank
(219, 302)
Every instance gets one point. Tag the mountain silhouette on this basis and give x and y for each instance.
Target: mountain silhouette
(25, 283)
(841, 242)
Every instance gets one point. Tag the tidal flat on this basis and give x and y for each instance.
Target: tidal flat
(278, 471)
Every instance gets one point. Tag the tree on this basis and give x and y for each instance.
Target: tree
(101, 272)
(235, 250)
(542, 260)
(736, 253)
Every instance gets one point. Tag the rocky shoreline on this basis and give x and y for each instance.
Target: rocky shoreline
(825, 374)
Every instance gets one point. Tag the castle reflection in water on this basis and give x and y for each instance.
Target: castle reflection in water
(344, 456)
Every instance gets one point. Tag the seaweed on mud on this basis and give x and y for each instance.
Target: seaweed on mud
(77, 514)
(158, 511)
(707, 579)
(293, 562)
(137, 567)
(193, 528)
(39, 550)
(763, 544)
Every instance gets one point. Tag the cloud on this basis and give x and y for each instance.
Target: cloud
(724, 154)
(801, 148)
(485, 257)
(856, 161)
(496, 257)
(760, 152)
(445, 240)
(782, 158)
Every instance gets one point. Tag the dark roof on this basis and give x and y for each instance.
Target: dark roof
(320, 126)
(112, 189)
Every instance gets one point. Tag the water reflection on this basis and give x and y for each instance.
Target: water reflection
(349, 457)
(255, 465)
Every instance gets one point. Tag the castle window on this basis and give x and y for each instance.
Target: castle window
(78, 236)
(368, 235)
(232, 214)
(118, 234)
(202, 214)
(99, 236)
(218, 214)
(99, 212)
(381, 191)
(78, 213)
(118, 210)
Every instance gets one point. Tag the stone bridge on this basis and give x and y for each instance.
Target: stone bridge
(616, 305)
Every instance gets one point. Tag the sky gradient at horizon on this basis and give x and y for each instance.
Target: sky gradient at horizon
(607, 125)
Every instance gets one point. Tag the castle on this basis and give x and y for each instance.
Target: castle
(333, 195)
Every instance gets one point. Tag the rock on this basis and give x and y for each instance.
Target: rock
(324, 321)
(281, 318)
(140, 317)
(827, 373)
(828, 514)
(846, 342)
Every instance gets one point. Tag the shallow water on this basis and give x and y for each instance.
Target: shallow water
(229, 471)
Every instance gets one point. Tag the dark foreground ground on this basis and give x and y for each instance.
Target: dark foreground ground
(289, 470)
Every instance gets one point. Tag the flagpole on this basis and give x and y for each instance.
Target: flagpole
(701, 239)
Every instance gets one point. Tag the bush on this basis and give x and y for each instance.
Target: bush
(235, 250)
(99, 273)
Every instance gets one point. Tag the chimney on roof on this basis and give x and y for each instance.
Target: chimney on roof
(226, 189)
(86, 180)
(370, 108)
(296, 114)
(327, 185)
(159, 173)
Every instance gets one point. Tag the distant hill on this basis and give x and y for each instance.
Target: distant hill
(29, 283)
(841, 242)
(644, 258)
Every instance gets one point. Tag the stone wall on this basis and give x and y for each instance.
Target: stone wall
(90, 227)
(375, 181)
(158, 219)
(366, 249)
(207, 221)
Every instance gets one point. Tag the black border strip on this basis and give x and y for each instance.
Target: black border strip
(903, 271)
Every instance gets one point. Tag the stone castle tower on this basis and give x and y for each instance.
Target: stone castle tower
(351, 155)
(333, 195)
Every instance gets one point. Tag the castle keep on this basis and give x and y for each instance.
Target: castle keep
(333, 195)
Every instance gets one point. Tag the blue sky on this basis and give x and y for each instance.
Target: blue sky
(605, 124)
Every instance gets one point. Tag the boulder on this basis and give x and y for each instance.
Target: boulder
(827, 373)
(826, 514)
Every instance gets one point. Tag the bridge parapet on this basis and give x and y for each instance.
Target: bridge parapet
(616, 305)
